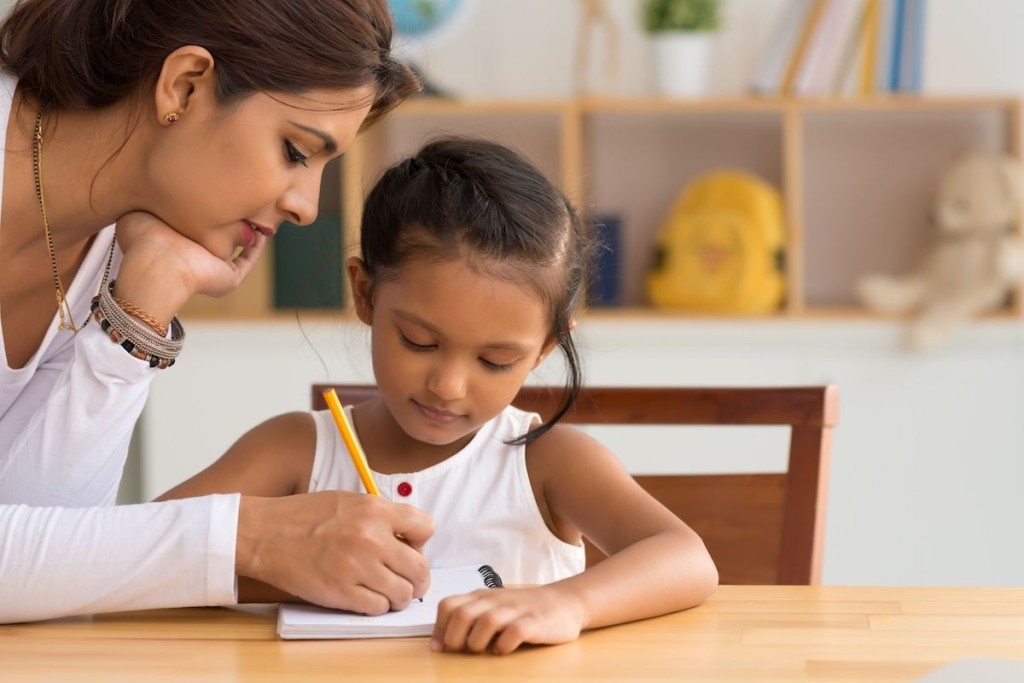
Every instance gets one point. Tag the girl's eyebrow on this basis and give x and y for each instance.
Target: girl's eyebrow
(330, 144)
(496, 346)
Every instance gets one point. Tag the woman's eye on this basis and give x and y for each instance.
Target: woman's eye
(293, 154)
(408, 343)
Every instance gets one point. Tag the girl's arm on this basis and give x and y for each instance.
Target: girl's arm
(273, 459)
(334, 548)
(656, 564)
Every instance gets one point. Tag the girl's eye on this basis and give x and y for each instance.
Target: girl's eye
(293, 154)
(413, 346)
(497, 367)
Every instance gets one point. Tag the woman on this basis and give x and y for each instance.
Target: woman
(197, 127)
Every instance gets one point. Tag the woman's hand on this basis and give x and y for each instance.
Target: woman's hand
(336, 548)
(162, 268)
(500, 620)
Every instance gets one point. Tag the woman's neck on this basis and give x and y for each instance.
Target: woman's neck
(87, 182)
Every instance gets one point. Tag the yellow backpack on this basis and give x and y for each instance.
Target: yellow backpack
(721, 247)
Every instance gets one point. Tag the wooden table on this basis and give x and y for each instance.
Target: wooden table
(744, 633)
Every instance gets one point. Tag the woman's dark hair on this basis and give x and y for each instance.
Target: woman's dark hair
(476, 200)
(88, 54)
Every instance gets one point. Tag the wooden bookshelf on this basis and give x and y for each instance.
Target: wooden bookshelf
(857, 176)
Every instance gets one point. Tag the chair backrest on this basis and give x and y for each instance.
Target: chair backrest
(759, 528)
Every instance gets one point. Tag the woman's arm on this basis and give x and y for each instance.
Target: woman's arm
(64, 439)
(656, 563)
(65, 435)
(333, 548)
(273, 459)
(58, 562)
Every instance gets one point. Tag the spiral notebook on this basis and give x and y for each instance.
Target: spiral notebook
(308, 622)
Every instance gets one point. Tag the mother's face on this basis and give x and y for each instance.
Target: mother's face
(219, 174)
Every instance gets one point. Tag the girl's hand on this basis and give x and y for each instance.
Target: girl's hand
(500, 620)
(162, 269)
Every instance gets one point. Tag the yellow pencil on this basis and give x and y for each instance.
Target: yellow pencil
(356, 453)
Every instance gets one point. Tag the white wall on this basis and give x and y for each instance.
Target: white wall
(525, 48)
(928, 461)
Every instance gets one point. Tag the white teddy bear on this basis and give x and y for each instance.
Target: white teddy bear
(976, 261)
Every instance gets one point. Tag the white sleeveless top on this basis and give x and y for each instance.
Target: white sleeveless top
(480, 498)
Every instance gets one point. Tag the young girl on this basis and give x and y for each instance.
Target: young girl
(472, 271)
(197, 127)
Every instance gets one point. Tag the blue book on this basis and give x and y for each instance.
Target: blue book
(912, 61)
(605, 287)
(898, 36)
(883, 58)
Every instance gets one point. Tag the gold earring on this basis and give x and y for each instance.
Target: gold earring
(170, 117)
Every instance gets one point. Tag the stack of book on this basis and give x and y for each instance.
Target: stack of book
(844, 47)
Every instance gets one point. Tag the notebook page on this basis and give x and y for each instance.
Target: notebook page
(306, 621)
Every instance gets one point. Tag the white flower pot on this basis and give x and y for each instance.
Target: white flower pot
(683, 62)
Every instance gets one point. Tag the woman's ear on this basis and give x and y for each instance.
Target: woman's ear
(186, 78)
(361, 285)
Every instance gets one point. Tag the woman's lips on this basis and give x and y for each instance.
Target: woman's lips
(249, 230)
(248, 234)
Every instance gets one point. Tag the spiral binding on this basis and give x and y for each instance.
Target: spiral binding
(491, 578)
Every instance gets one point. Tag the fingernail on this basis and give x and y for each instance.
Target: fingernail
(435, 645)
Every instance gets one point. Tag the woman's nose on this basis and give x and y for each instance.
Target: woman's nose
(301, 201)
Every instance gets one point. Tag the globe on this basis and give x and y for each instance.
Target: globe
(421, 17)
(420, 24)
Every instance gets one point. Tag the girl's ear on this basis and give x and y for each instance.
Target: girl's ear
(551, 344)
(186, 78)
(545, 352)
(362, 288)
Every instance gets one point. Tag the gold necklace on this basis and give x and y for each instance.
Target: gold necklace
(67, 322)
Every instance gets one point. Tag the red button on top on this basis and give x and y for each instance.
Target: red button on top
(404, 489)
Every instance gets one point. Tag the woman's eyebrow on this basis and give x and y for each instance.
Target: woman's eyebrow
(330, 144)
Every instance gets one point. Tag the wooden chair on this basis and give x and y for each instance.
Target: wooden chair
(759, 528)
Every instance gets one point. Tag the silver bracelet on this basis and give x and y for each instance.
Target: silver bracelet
(139, 334)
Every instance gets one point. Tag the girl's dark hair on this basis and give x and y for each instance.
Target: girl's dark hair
(88, 54)
(482, 202)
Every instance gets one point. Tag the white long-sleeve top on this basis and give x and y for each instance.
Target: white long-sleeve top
(66, 418)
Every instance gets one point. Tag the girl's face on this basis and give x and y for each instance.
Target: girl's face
(452, 346)
(218, 174)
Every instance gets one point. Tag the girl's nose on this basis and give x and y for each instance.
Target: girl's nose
(448, 382)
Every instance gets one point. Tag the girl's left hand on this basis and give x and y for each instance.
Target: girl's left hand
(500, 620)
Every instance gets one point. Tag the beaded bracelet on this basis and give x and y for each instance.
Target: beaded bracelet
(136, 312)
(141, 341)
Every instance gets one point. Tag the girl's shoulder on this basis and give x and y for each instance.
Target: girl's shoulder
(280, 448)
(561, 435)
(271, 459)
(563, 448)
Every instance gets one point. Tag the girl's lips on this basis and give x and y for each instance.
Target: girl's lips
(434, 415)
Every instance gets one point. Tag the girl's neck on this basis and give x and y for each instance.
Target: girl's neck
(389, 449)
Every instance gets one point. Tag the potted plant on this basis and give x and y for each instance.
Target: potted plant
(683, 35)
